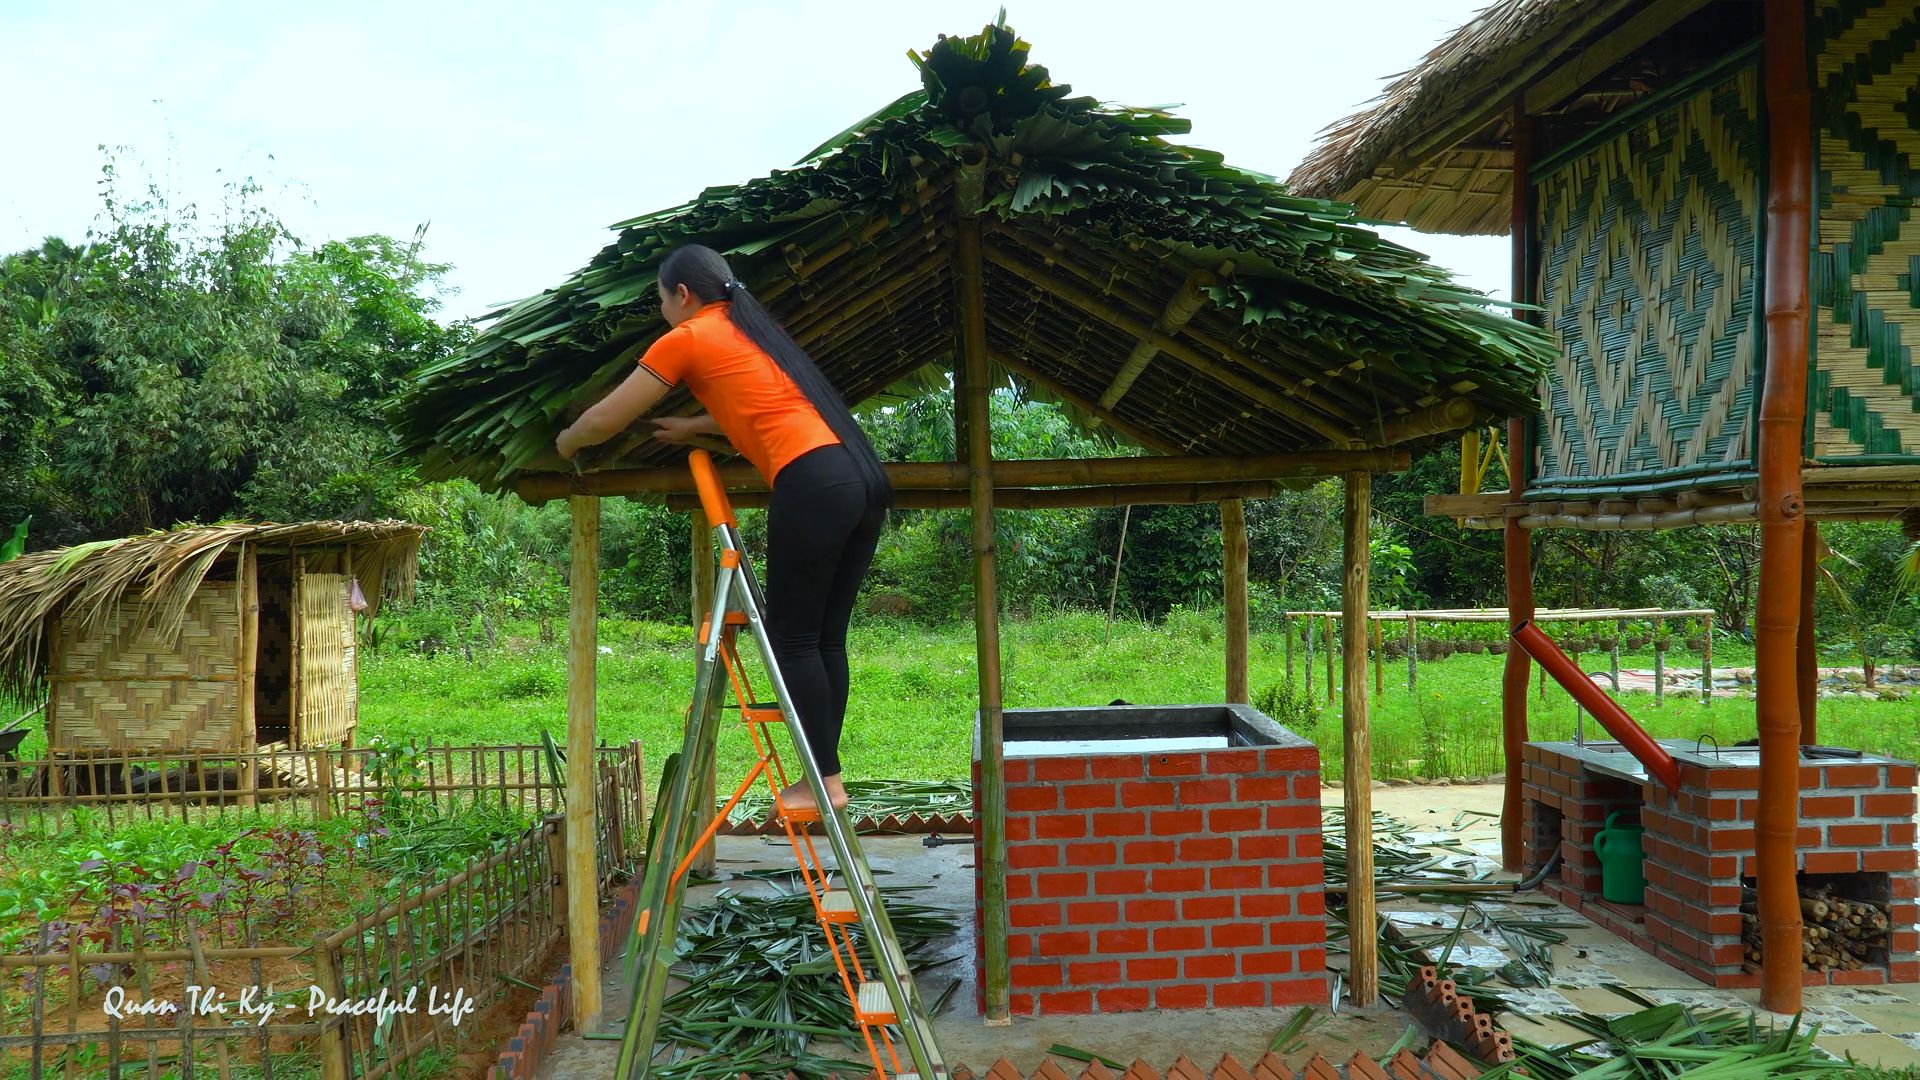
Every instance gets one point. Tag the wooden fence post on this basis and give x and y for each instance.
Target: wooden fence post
(332, 1044)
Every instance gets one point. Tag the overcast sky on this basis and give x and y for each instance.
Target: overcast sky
(520, 131)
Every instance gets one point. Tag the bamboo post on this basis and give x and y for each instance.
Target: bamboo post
(970, 290)
(334, 1063)
(1327, 624)
(705, 790)
(1113, 591)
(1233, 533)
(1363, 976)
(1413, 652)
(583, 899)
(1613, 664)
(1783, 417)
(247, 738)
(1516, 548)
(323, 783)
(1808, 680)
(1286, 635)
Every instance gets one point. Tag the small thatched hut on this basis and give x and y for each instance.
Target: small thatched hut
(208, 638)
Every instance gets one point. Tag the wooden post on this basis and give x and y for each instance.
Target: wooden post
(1379, 658)
(1306, 668)
(1515, 544)
(1783, 417)
(1808, 681)
(1327, 622)
(708, 782)
(1233, 535)
(333, 1047)
(1613, 664)
(1363, 975)
(583, 894)
(1659, 663)
(1706, 661)
(1413, 652)
(970, 289)
(1286, 635)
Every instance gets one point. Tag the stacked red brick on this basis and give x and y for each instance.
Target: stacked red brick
(1166, 880)
(1855, 818)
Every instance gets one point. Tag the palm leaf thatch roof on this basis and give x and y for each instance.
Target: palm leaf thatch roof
(162, 571)
(1435, 150)
(1301, 328)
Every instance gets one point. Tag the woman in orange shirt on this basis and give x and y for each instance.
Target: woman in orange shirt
(830, 492)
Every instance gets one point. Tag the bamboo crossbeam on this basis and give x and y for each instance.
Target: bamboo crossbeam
(1287, 401)
(1475, 615)
(1454, 414)
(954, 475)
(1105, 415)
(1042, 498)
(1180, 308)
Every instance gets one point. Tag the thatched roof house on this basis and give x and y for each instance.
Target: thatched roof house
(214, 638)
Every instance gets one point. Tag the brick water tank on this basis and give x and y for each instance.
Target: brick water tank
(1163, 857)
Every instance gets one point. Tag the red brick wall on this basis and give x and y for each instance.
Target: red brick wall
(1165, 880)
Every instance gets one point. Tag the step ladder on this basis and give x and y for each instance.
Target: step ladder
(886, 1006)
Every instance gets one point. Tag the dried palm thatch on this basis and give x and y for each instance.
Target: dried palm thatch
(162, 571)
(1380, 157)
(1255, 321)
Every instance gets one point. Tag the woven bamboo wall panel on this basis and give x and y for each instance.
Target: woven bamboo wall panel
(1865, 397)
(126, 687)
(1648, 270)
(272, 679)
(326, 661)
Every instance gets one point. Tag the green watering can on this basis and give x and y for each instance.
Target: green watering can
(1621, 856)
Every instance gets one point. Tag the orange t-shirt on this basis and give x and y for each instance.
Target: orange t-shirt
(759, 409)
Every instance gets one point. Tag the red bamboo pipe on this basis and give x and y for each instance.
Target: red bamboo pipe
(1808, 677)
(1519, 558)
(1660, 764)
(1783, 414)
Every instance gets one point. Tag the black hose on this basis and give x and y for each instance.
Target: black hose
(1546, 871)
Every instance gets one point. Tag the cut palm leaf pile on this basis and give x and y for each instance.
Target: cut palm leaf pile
(761, 986)
(873, 798)
(1656, 1042)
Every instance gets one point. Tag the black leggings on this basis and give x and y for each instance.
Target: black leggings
(821, 533)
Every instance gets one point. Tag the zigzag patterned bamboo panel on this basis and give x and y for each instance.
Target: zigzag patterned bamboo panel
(1866, 275)
(1648, 257)
(125, 687)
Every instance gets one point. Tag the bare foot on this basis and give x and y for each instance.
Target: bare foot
(800, 797)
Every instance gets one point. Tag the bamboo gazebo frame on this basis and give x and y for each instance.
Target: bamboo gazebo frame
(1244, 338)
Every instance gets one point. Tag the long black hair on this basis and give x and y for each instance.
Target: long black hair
(706, 275)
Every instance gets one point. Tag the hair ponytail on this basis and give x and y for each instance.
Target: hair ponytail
(706, 275)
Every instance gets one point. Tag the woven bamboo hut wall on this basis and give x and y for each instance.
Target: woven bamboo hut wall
(215, 638)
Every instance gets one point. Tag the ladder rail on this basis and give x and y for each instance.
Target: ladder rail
(852, 861)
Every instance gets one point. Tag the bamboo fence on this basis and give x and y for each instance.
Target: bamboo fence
(445, 952)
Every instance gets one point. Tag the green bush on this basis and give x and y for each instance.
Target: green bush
(1288, 705)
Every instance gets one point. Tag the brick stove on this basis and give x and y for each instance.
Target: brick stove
(1161, 857)
(1856, 837)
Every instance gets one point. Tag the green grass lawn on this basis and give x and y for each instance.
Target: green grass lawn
(914, 691)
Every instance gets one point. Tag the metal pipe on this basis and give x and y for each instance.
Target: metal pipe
(1660, 764)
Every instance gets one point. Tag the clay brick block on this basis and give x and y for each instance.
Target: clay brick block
(1293, 818)
(1202, 792)
(1061, 827)
(1094, 973)
(1015, 770)
(1849, 776)
(1236, 819)
(1239, 996)
(1097, 913)
(1035, 976)
(1149, 852)
(1120, 823)
(1146, 794)
(1266, 905)
(1175, 765)
(1121, 941)
(1153, 969)
(1179, 880)
(1897, 805)
(1265, 789)
(1237, 935)
(1027, 800)
(1890, 860)
(1264, 848)
(1118, 767)
(1089, 797)
(1856, 835)
(1179, 938)
(1180, 997)
(1831, 862)
(1150, 911)
(1098, 854)
(1064, 886)
(1297, 932)
(1209, 967)
(1175, 822)
(1862, 977)
(1291, 759)
(1124, 999)
(1903, 776)
(1035, 914)
(1120, 883)
(1069, 944)
(1311, 990)
(1272, 962)
(1311, 903)
(1033, 857)
(1209, 849)
(1287, 875)
(1235, 877)
(1833, 806)
(1019, 886)
(1231, 761)
(1309, 845)
(1067, 1002)
(1206, 908)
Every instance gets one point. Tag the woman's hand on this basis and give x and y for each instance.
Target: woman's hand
(566, 445)
(682, 430)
